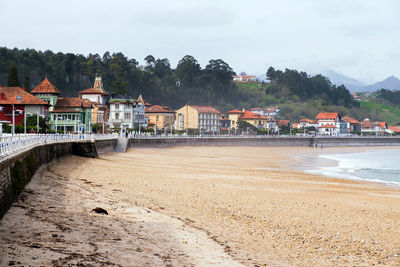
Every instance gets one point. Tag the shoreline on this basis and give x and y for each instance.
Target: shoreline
(249, 200)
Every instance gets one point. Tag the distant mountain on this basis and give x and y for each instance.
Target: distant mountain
(338, 79)
(390, 83)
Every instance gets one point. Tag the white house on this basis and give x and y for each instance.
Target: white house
(127, 113)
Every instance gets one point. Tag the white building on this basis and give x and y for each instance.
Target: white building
(127, 113)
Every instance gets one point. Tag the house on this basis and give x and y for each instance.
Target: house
(373, 128)
(71, 114)
(306, 123)
(225, 123)
(328, 129)
(394, 130)
(161, 117)
(99, 98)
(255, 119)
(233, 116)
(268, 111)
(18, 101)
(203, 118)
(127, 113)
(47, 92)
(97, 94)
(330, 123)
(244, 78)
(352, 125)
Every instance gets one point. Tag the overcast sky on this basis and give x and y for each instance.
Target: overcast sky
(358, 38)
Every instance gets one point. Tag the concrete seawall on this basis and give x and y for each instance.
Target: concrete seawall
(270, 141)
(16, 171)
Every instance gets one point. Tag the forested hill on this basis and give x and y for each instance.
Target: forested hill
(160, 84)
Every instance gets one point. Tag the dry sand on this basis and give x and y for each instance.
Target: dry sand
(200, 206)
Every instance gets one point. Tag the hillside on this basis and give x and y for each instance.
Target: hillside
(297, 93)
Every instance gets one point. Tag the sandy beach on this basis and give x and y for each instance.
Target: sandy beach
(200, 206)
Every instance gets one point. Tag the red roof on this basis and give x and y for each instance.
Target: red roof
(350, 120)
(307, 120)
(235, 111)
(205, 109)
(382, 124)
(327, 116)
(159, 109)
(283, 123)
(93, 91)
(45, 87)
(394, 129)
(248, 115)
(327, 126)
(8, 95)
(72, 102)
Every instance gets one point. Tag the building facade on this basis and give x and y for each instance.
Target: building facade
(127, 113)
(162, 117)
(205, 119)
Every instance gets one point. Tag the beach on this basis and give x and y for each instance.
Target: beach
(201, 206)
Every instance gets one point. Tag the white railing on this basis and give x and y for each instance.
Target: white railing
(10, 145)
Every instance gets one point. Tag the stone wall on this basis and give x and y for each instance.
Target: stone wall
(16, 171)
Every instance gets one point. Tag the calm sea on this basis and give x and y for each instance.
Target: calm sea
(378, 165)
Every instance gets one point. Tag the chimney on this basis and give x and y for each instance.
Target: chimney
(243, 109)
(23, 88)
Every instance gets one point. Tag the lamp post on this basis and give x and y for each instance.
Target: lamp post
(13, 120)
(25, 120)
(37, 117)
(56, 123)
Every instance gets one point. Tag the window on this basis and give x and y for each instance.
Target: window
(117, 116)
(127, 116)
(116, 105)
(156, 118)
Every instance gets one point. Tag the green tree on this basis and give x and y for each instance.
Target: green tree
(13, 76)
(27, 83)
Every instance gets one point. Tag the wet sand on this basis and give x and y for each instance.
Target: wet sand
(200, 206)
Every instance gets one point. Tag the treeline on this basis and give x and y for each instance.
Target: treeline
(156, 81)
(387, 97)
(161, 84)
(299, 86)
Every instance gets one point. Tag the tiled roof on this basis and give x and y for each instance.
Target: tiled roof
(327, 116)
(93, 91)
(307, 120)
(382, 124)
(45, 87)
(205, 109)
(159, 109)
(72, 102)
(283, 123)
(394, 129)
(8, 95)
(235, 111)
(248, 115)
(350, 120)
(327, 126)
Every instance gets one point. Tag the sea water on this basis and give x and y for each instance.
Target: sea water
(378, 165)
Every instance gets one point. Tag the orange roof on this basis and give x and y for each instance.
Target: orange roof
(327, 126)
(350, 120)
(248, 115)
(205, 109)
(327, 116)
(307, 120)
(159, 109)
(8, 95)
(394, 129)
(72, 102)
(283, 123)
(235, 111)
(93, 91)
(45, 87)
(382, 124)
